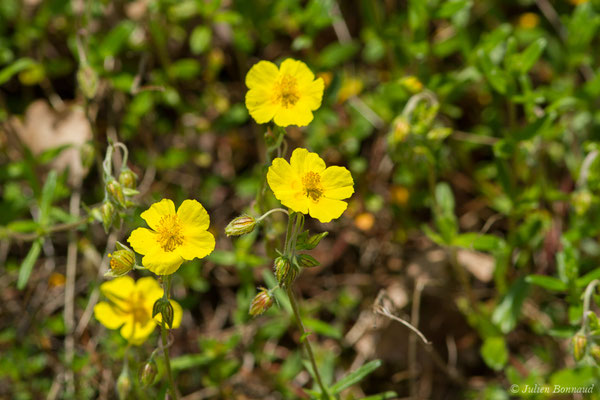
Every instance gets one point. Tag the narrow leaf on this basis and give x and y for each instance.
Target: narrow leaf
(355, 377)
(28, 263)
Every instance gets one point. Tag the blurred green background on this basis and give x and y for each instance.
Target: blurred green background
(471, 130)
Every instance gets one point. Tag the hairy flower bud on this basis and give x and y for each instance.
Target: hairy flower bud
(121, 261)
(285, 271)
(579, 346)
(595, 353)
(128, 178)
(87, 79)
(116, 192)
(164, 307)
(123, 384)
(148, 373)
(108, 213)
(240, 226)
(261, 302)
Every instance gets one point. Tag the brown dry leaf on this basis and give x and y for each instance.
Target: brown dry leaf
(481, 265)
(43, 128)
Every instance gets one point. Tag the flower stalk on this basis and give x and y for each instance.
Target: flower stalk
(163, 335)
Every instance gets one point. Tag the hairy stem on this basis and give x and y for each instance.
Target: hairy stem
(163, 334)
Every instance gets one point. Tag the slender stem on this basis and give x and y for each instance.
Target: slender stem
(305, 341)
(163, 334)
(28, 237)
(288, 233)
(586, 303)
(283, 210)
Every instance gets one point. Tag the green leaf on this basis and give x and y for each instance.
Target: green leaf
(200, 39)
(112, 43)
(530, 55)
(47, 197)
(322, 328)
(507, 313)
(480, 242)
(188, 361)
(382, 396)
(495, 76)
(14, 68)
(451, 7)
(355, 376)
(494, 352)
(23, 226)
(547, 282)
(587, 278)
(337, 53)
(28, 263)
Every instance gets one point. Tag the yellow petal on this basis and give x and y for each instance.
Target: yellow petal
(262, 74)
(192, 214)
(161, 262)
(143, 240)
(197, 242)
(260, 106)
(150, 288)
(118, 290)
(298, 70)
(327, 209)
(137, 333)
(177, 314)
(300, 115)
(311, 94)
(337, 183)
(286, 185)
(156, 211)
(109, 316)
(303, 161)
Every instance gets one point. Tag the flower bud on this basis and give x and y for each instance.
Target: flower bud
(128, 178)
(108, 212)
(240, 226)
(261, 302)
(87, 79)
(412, 84)
(285, 271)
(581, 201)
(307, 261)
(148, 373)
(595, 353)
(121, 261)
(400, 130)
(164, 307)
(116, 192)
(579, 345)
(123, 384)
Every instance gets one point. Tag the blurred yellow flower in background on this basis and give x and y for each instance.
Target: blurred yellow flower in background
(305, 185)
(129, 307)
(175, 236)
(288, 95)
(529, 20)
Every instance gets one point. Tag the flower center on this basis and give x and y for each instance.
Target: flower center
(169, 233)
(312, 185)
(136, 303)
(286, 91)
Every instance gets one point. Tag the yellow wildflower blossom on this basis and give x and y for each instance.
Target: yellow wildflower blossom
(175, 238)
(305, 185)
(288, 95)
(529, 20)
(129, 307)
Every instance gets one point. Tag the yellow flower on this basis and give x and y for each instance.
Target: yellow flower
(287, 95)
(529, 20)
(305, 185)
(176, 236)
(129, 307)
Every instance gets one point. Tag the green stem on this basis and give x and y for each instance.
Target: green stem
(163, 334)
(589, 291)
(288, 233)
(305, 341)
(283, 210)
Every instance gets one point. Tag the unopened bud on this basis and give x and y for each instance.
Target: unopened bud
(108, 212)
(148, 373)
(595, 353)
(87, 79)
(412, 84)
(400, 130)
(261, 302)
(121, 261)
(307, 261)
(240, 226)
(285, 271)
(116, 192)
(164, 307)
(123, 384)
(128, 178)
(579, 345)
(581, 201)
